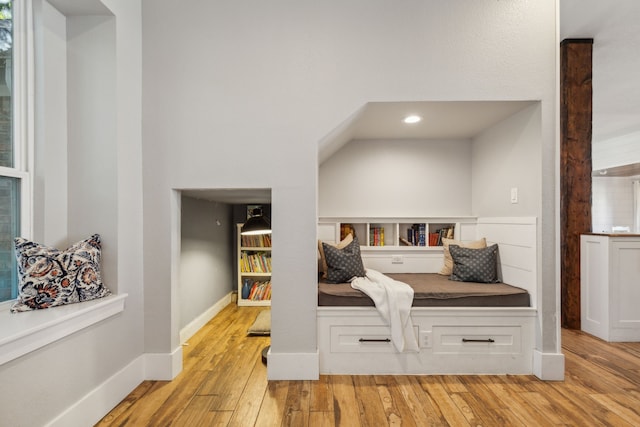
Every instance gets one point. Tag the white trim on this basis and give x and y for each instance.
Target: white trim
(26, 214)
(23, 84)
(548, 366)
(24, 108)
(293, 366)
(527, 220)
(197, 323)
(102, 399)
(12, 173)
(25, 332)
(163, 366)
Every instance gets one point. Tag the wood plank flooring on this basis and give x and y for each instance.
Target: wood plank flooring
(224, 383)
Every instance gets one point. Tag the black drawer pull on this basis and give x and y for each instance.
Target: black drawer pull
(374, 340)
(468, 340)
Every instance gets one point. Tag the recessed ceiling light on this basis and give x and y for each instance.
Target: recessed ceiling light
(412, 119)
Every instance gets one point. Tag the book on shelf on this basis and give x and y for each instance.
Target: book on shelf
(435, 238)
(376, 236)
(417, 234)
(346, 229)
(259, 262)
(256, 241)
(405, 242)
(260, 291)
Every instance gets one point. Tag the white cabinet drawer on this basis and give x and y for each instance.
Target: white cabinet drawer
(477, 340)
(362, 339)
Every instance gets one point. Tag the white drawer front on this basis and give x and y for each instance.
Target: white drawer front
(477, 340)
(362, 339)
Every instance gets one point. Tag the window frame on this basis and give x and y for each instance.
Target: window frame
(23, 115)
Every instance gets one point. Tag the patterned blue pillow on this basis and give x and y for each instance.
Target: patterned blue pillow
(49, 277)
(343, 264)
(474, 265)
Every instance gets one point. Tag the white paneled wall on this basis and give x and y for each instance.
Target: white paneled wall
(612, 203)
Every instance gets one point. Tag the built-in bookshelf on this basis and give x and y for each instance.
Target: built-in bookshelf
(399, 245)
(254, 269)
(398, 233)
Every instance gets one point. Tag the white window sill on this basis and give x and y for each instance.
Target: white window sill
(21, 333)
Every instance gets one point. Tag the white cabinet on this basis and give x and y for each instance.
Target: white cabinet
(383, 240)
(610, 286)
(455, 340)
(254, 269)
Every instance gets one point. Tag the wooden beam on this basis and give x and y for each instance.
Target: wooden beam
(575, 168)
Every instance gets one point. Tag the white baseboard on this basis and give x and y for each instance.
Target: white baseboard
(197, 323)
(548, 366)
(96, 404)
(293, 366)
(163, 366)
(152, 366)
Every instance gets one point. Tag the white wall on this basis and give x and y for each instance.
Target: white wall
(51, 126)
(206, 257)
(505, 156)
(612, 203)
(403, 178)
(237, 95)
(91, 151)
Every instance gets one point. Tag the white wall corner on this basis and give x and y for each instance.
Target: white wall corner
(163, 366)
(196, 324)
(293, 366)
(98, 402)
(548, 366)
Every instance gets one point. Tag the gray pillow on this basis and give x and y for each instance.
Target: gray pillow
(343, 264)
(474, 265)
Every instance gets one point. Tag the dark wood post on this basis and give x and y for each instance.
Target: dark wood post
(575, 169)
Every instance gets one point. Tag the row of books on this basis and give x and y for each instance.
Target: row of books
(258, 262)
(256, 241)
(417, 235)
(435, 238)
(376, 236)
(260, 291)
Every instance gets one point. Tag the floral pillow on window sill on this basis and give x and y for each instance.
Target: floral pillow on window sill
(48, 277)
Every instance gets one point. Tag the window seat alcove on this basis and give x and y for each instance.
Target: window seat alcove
(451, 339)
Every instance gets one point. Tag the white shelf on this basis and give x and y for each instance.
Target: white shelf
(394, 257)
(394, 229)
(395, 248)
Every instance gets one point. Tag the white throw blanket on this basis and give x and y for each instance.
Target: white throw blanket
(393, 300)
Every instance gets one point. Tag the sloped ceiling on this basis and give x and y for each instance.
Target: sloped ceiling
(440, 120)
(80, 7)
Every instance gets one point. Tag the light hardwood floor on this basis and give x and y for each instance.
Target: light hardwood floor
(224, 383)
